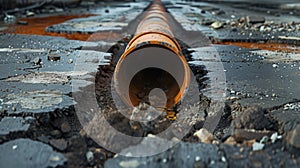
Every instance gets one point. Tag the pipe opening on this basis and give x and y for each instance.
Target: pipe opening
(161, 84)
(147, 68)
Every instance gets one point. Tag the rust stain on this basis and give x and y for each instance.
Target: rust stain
(37, 26)
(264, 46)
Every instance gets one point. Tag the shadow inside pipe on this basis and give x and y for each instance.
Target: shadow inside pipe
(148, 80)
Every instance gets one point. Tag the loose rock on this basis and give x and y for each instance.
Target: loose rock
(217, 25)
(90, 157)
(257, 146)
(204, 135)
(252, 118)
(59, 144)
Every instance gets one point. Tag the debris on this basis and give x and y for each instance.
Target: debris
(59, 144)
(252, 118)
(257, 146)
(70, 61)
(29, 14)
(90, 157)
(217, 25)
(204, 136)
(14, 147)
(10, 19)
(241, 20)
(291, 106)
(274, 137)
(230, 141)
(275, 65)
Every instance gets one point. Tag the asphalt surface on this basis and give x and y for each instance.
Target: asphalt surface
(245, 57)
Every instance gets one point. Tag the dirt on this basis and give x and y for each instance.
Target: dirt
(264, 46)
(38, 25)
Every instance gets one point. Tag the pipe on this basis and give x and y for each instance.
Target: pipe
(152, 59)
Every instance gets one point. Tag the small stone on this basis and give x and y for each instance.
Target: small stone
(70, 61)
(257, 146)
(217, 25)
(275, 66)
(204, 136)
(29, 14)
(59, 10)
(37, 60)
(20, 22)
(14, 147)
(90, 157)
(59, 144)
(293, 137)
(230, 141)
(241, 20)
(223, 159)
(274, 137)
(14, 108)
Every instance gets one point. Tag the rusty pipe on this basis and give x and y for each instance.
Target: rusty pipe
(148, 62)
